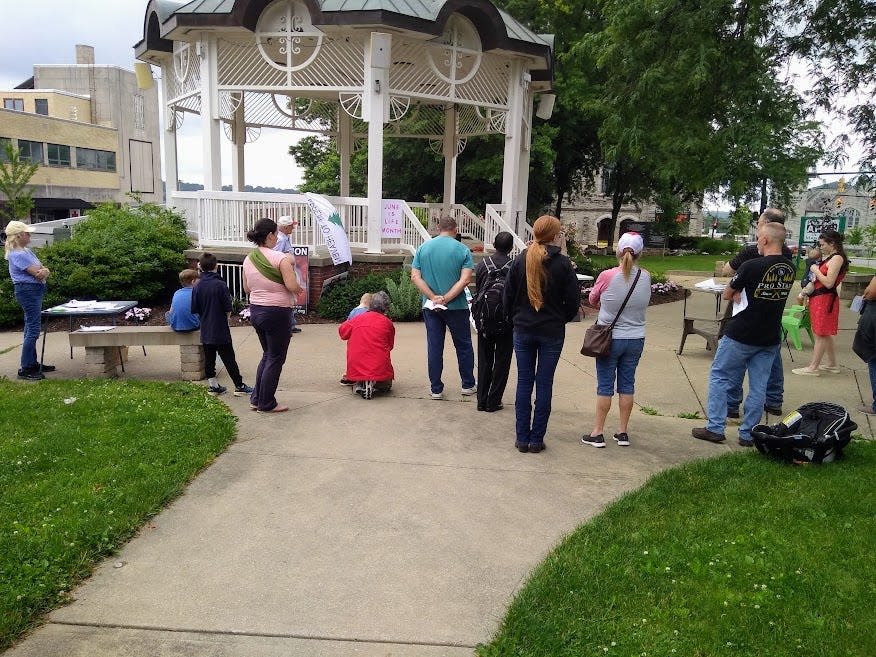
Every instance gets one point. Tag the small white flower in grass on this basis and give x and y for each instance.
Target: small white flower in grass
(757, 606)
(613, 644)
(645, 552)
(667, 569)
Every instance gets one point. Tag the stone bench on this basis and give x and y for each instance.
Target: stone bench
(106, 350)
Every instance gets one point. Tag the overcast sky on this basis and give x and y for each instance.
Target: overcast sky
(46, 32)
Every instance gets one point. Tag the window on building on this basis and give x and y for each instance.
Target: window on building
(41, 106)
(58, 155)
(853, 218)
(4, 142)
(139, 112)
(16, 104)
(88, 158)
(31, 151)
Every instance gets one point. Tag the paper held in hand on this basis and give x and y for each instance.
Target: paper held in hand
(430, 305)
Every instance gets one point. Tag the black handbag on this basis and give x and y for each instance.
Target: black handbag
(597, 338)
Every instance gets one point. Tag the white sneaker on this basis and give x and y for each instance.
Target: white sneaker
(470, 391)
(436, 395)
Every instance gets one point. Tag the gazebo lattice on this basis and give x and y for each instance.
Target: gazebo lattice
(353, 71)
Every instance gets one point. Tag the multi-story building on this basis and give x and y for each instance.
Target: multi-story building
(93, 132)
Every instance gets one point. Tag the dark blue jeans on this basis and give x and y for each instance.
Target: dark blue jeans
(30, 298)
(271, 325)
(775, 389)
(537, 358)
(871, 366)
(456, 321)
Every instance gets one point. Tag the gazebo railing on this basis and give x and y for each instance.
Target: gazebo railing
(217, 219)
(469, 224)
(495, 223)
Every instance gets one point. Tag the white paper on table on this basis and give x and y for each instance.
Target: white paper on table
(709, 285)
(107, 305)
(95, 329)
(73, 303)
(431, 305)
(742, 304)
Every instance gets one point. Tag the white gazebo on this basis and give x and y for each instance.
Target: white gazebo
(359, 71)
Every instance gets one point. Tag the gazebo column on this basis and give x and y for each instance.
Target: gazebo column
(210, 113)
(450, 154)
(513, 139)
(345, 148)
(375, 110)
(171, 168)
(238, 131)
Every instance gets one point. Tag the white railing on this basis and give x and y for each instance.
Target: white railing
(470, 225)
(495, 223)
(218, 219)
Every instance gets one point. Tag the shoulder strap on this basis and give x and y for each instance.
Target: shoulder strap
(629, 294)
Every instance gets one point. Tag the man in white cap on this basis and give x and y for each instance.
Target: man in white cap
(285, 226)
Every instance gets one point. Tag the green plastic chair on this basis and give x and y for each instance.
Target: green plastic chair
(794, 319)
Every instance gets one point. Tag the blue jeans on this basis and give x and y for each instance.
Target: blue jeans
(456, 321)
(732, 359)
(775, 390)
(30, 298)
(871, 365)
(621, 361)
(537, 358)
(271, 324)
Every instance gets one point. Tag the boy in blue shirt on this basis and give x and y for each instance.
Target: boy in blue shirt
(180, 316)
(211, 300)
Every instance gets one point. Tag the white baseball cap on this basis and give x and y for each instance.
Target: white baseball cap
(631, 241)
(285, 220)
(17, 227)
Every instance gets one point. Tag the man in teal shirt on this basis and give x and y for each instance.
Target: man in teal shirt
(441, 270)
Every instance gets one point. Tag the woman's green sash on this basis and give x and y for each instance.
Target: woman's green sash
(265, 267)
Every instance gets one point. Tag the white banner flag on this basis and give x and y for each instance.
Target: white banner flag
(329, 220)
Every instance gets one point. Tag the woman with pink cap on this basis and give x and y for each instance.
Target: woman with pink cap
(627, 337)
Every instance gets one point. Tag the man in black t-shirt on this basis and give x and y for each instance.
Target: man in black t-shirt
(775, 392)
(752, 337)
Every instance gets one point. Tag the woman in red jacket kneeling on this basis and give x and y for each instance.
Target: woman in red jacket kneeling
(370, 337)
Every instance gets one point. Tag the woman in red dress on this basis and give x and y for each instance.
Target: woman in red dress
(824, 303)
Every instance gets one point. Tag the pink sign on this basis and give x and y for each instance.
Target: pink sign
(392, 224)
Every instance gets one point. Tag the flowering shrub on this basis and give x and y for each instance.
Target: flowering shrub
(669, 287)
(139, 314)
(244, 314)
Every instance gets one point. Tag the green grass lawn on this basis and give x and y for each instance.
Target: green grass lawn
(736, 555)
(82, 465)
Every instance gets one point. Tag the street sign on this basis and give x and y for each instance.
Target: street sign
(812, 227)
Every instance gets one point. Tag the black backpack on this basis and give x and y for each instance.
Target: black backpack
(487, 309)
(815, 433)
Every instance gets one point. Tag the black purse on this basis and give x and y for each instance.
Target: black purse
(597, 337)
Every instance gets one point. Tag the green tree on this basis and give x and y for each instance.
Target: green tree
(837, 38)
(15, 174)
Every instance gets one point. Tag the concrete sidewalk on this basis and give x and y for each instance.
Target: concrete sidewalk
(396, 526)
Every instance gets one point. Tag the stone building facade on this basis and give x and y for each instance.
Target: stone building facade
(589, 215)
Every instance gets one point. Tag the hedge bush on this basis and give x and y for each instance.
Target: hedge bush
(340, 299)
(116, 253)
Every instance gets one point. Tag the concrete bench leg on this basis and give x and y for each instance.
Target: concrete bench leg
(102, 362)
(192, 362)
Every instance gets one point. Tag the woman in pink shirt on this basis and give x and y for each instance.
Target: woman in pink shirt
(269, 279)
